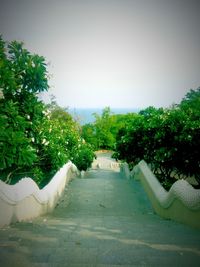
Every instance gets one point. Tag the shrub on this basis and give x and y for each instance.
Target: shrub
(82, 156)
(167, 139)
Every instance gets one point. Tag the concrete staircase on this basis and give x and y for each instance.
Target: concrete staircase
(102, 220)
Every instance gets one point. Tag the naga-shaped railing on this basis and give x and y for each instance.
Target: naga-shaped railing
(24, 200)
(181, 203)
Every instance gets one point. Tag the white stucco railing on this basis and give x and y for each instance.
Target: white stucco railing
(105, 164)
(124, 169)
(24, 200)
(181, 203)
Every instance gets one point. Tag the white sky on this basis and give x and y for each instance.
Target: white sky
(111, 52)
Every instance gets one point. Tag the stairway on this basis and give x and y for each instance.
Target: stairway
(102, 220)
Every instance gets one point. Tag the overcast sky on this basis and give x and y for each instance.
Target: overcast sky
(110, 52)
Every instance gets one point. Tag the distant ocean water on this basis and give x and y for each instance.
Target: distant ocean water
(85, 115)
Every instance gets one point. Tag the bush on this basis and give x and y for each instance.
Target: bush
(82, 156)
(169, 140)
(65, 138)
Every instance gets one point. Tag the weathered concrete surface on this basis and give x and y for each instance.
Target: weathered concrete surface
(103, 220)
(181, 203)
(105, 161)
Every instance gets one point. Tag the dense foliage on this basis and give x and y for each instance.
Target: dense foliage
(167, 139)
(65, 141)
(35, 139)
(102, 133)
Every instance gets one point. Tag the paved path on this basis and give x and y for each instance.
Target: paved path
(102, 220)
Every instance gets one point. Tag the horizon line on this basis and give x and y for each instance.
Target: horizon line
(104, 107)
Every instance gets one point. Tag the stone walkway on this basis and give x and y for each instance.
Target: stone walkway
(102, 220)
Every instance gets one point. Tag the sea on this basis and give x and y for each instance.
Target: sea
(85, 115)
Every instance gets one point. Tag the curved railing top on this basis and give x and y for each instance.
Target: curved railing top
(180, 190)
(26, 187)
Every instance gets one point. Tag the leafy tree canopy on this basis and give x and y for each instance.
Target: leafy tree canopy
(168, 139)
(35, 139)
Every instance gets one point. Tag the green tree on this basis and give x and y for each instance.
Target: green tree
(103, 124)
(88, 134)
(34, 138)
(191, 104)
(61, 140)
(167, 139)
(22, 76)
(103, 132)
